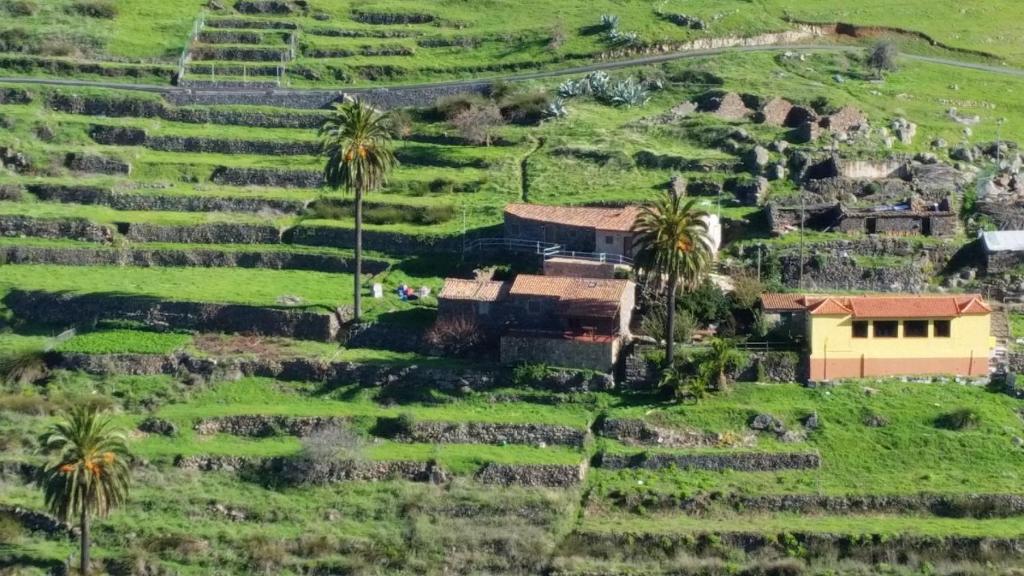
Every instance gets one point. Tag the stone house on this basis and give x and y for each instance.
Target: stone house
(562, 321)
(891, 334)
(600, 230)
(1002, 250)
(575, 228)
(913, 218)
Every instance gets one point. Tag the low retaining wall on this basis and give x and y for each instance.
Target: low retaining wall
(230, 146)
(223, 233)
(262, 426)
(636, 432)
(942, 505)
(299, 471)
(167, 257)
(267, 177)
(490, 433)
(381, 98)
(39, 521)
(863, 547)
(162, 202)
(66, 228)
(578, 353)
(387, 242)
(97, 164)
(739, 461)
(74, 310)
(532, 475)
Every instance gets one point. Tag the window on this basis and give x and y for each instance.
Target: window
(886, 328)
(915, 328)
(609, 240)
(860, 329)
(942, 328)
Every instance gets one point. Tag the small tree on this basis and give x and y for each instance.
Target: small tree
(399, 124)
(87, 473)
(882, 57)
(477, 123)
(721, 356)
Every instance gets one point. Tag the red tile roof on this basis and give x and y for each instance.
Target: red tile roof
(578, 297)
(611, 219)
(879, 305)
(775, 302)
(478, 290)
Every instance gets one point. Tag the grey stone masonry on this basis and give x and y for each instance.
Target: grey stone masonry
(740, 461)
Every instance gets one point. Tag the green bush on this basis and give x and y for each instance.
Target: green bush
(22, 7)
(962, 419)
(94, 9)
(529, 374)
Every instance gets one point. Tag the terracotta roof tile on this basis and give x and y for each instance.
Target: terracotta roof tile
(899, 306)
(587, 297)
(479, 290)
(611, 219)
(777, 302)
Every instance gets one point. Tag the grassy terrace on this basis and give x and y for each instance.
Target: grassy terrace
(223, 285)
(912, 453)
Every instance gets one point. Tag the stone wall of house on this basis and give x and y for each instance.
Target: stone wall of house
(578, 238)
(999, 262)
(63, 309)
(578, 353)
(909, 224)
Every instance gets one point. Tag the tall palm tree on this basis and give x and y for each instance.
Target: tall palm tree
(672, 250)
(87, 473)
(356, 140)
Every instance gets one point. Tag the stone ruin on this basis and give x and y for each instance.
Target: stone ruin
(729, 106)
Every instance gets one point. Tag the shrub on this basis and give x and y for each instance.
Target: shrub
(525, 107)
(333, 443)
(265, 554)
(707, 304)
(10, 528)
(400, 124)
(22, 366)
(746, 291)
(10, 192)
(654, 321)
(962, 419)
(477, 123)
(529, 374)
(882, 57)
(450, 106)
(94, 8)
(454, 336)
(18, 40)
(22, 7)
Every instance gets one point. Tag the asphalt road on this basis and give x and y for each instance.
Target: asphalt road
(606, 65)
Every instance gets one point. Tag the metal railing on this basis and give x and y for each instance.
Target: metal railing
(186, 53)
(547, 250)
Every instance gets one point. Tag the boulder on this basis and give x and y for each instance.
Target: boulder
(767, 423)
(756, 159)
(905, 130)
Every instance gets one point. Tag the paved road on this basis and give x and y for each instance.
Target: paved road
(605, 65)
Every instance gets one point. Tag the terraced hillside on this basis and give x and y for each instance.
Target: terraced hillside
(332, 42)
(175, 258)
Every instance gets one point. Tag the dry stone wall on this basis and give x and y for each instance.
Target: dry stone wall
(267, 177)
(65, 309)
(492, 433)
(739, 461)
(216, 233)
(535, 475)
(64, 228)
(162, 202)
(260, 426)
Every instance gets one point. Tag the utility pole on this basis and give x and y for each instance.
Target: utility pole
(802, 217)
(759, 246)
(999, 141)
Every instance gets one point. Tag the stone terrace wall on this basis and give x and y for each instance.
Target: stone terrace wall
(67, 228)
(64, 309)
(296, 471)
(491, 433)
(261, 426)
(216, 233)
(740, 461)
(536, 475)
(204, 258)
(267, 177)
(382, 98)
(162, 202)
(600, 356)
(387, 242)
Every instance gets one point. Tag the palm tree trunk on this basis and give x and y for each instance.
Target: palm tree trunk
(670, 323)
(358, 297)
(84, 539)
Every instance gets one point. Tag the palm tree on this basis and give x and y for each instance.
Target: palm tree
(87, 473)
(356, 140)
(721, 355)
(672, 250)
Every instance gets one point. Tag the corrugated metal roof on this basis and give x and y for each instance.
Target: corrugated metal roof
(1003, 240)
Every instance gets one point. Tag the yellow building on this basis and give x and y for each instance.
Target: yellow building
(889, 335)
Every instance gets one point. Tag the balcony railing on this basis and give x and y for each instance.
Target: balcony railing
(547, 250)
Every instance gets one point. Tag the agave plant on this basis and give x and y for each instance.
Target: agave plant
(571, 89)
(609, 22)
(556, 109)
(627, 93)
(597, 83)
(623, 38)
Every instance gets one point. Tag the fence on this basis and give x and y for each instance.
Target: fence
(547, 250)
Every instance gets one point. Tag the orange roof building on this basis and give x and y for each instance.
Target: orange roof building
(877, 335)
